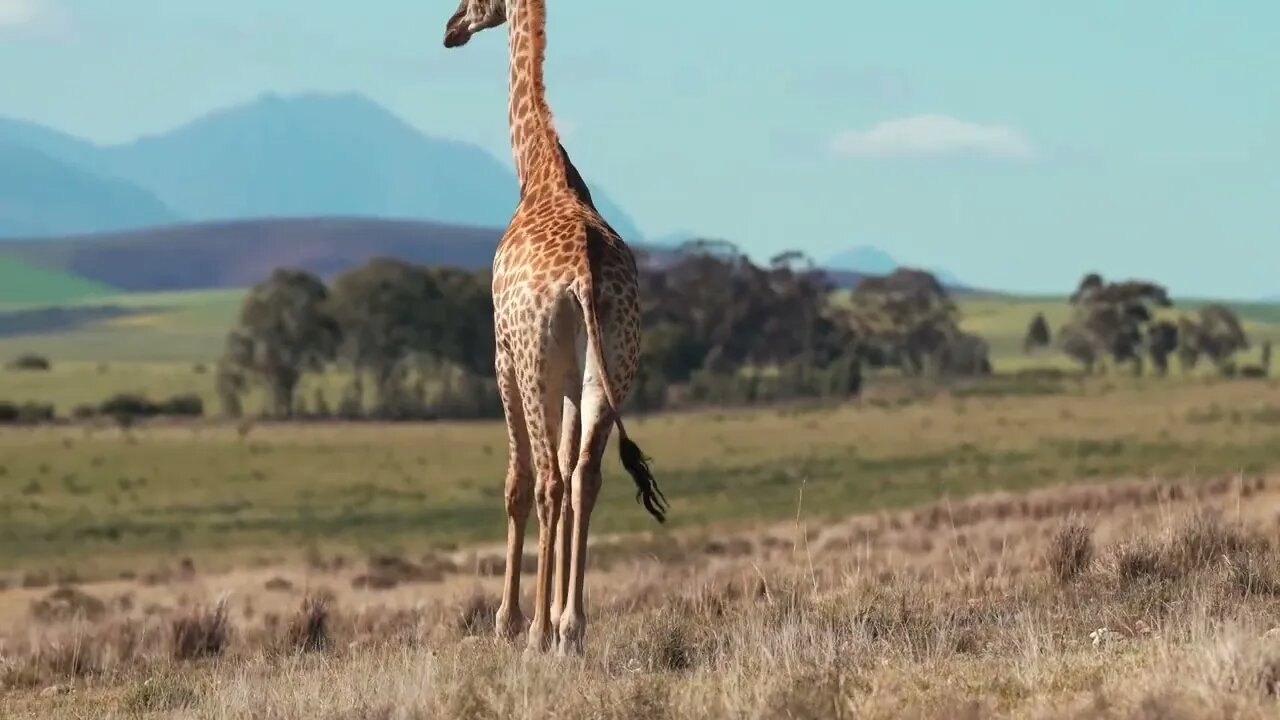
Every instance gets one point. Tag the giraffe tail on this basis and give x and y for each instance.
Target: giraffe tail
(633, 458)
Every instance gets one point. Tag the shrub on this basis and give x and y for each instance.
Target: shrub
(1138, 561)
(67, 603)
(84, 412)
(309, 629)
(200, 632)
(30, 362)
(182, 406)
(35, 413)
(1205, 539)
(128, 406)
(1070, 551)
(25, 414)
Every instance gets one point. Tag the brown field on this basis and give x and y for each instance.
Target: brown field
(1146, 592)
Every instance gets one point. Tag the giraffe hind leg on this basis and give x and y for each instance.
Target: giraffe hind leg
(570, 430)
(542, 390)
(597, 422)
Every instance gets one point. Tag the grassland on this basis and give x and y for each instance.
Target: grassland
(67, 494)
(1140, 598)
(918, 553)
(18, 280)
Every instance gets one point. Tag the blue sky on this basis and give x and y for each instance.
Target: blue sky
(1014, 145)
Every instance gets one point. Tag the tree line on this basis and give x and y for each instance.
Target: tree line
(1121, 323)
(416, 342)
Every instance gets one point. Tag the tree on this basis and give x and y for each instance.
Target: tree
(1080, 345)
(1216, 333)
(284, 331)
(712, 309)
(1038, 335)
(385, 310)
(1111, 318)
(1219, 335)
(908, 316)
(462, 333)
(964, 354)
(1162, 341)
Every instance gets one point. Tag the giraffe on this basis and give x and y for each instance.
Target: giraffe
(567, 326)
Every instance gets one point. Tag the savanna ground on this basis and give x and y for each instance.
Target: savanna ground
(1029, 547)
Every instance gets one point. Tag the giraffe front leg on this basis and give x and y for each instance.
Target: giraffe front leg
(549, 495)
(510, 621)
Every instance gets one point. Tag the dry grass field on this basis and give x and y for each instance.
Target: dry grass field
(1100, 549)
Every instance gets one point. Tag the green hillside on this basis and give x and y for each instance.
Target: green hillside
(25, 284)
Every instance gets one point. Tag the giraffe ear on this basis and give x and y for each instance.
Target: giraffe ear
(457, 31)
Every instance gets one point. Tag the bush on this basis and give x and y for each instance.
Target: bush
(25, 414)
(1070, 551)
(35, 413)
(182, 406)
(200, 632)
(128, 405)
(30, 361)
(84, 412)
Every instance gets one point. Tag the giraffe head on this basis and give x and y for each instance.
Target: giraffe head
(471, 17)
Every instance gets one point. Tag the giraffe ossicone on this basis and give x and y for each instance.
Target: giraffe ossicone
(567, 326)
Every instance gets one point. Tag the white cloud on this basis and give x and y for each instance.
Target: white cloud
(36, 19)
(934, 136)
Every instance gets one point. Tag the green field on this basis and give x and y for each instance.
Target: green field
(68, 494)
(31, 284)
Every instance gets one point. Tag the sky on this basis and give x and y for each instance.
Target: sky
(1012, 143)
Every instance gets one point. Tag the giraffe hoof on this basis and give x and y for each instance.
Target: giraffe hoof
(509, 624)
(540, 640)
(572, 633)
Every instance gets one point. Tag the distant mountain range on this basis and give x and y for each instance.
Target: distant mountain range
(310, 155)
(41, 194)
(320, 182)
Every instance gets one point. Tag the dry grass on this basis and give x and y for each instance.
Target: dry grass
(1070, 551)
(998, 606)
(956, 555)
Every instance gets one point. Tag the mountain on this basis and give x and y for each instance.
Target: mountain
(308, 155)
(864, 259)
(57, 145)
(41, 195)
(870, 260)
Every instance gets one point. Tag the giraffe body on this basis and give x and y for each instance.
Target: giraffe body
(567, 331)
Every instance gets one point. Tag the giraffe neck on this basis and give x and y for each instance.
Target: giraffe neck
(540, 160)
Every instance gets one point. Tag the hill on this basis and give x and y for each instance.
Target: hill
(240, 253)
(309, 155)
(41, 195)
(24, 283)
